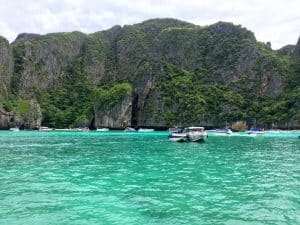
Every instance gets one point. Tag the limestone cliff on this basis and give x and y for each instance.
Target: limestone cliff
(6, 64)
(177, 73)
(117, 117)
(297, 49)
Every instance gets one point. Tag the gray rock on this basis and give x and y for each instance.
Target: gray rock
(117, 117)
(6, 64)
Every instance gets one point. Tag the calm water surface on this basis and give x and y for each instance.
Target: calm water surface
(135, 178)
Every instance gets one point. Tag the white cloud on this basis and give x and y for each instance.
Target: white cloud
(277, 21)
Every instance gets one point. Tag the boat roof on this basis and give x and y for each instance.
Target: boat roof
(195, 127)
(256, 129)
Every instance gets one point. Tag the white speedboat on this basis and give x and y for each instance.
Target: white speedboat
(85, 129)
(129, 129)
(145, 130)
(192, 134)
(80, 129)
(102, 129)
(14, 129)
(256, 131)
(45, 129)
(177, 135)
(221, 131)
(195, 133)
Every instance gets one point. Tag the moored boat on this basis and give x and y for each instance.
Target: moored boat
(256, 131)
(80, 129)
(192, 134)
(177, 135)
(102, 129)
(15, 129)
(145, 130)
(45, 129)
(85, 129)
(221, 131)
(129, 129)
(195, 134)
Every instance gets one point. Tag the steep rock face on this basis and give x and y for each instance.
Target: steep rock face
(27, 37)
(27, 115)
(5, 76)
(41, 61)
(5, 119)
(117, 117)
(135, 45)
(287, 50)
(5, 67)
(30, 118)
(177, 70)
(221, 54)
(98, 58)
(141, 101)
(297, 49)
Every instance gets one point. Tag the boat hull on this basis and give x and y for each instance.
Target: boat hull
(102, 129)
(197, 137)
(14, 129)
(221, 131)
(255, 132)
(145, 130)
(178, 137)
(129, 129)
(193, 134)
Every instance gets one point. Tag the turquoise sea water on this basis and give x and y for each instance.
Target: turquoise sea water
(142, 178)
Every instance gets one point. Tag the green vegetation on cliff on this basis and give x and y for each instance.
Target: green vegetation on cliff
(107, 98)
(70, 103)
(176, 72)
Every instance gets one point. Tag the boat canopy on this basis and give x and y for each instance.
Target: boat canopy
(176, 130)
(195, 128)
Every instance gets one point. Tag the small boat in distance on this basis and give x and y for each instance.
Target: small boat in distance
(256, 131)
(221, 131)
(196, 134)
(45, 129)
(85, 129)
(129, 129)
(145, 130)
(177, 135)
(15, 129)
(275, 131)
(102, 129)
(192, 134)
(80, 129)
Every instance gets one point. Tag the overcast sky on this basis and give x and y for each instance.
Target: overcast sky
(277, 21)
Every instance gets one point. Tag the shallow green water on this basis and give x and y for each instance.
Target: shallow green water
(135, 178)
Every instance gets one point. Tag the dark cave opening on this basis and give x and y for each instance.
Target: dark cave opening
(134, 110)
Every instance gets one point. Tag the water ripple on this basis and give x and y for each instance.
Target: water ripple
(117, 178)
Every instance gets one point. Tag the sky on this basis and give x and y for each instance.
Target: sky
(277, 21)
